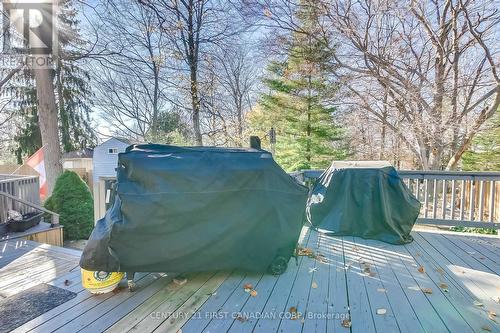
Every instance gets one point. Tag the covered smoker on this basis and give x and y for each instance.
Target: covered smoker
(187, 209)
(369, 202)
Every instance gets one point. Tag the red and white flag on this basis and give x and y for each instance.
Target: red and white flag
(36, 162)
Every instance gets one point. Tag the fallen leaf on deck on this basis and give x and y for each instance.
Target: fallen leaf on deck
(418, 254)
(253, 293)
(382, 290)
(486, 328)
(372, 274)
(319, 257)
(477, 303)
(314, 285)
(248, 286)
(440, 270)
(443, 285)
(421, 269)
(305, 252)
(366, 269)
(355, 248)
(294, 313)
(241, 318)
(346, 323)
(381, 311)
(492, 315)
(427, 290)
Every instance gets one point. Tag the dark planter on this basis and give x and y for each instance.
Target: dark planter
(29, 220)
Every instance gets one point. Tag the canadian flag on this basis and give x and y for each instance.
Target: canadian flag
(36, 162)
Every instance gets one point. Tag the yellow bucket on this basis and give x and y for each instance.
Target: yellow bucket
(99, 282)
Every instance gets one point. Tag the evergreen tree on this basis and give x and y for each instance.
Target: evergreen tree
(298, 105)
(484, 156)
(73, 94)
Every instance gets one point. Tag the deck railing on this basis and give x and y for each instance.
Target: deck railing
(452, 198)
(25, 188)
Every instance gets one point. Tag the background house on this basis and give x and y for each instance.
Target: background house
(105, 157)
(105, 160)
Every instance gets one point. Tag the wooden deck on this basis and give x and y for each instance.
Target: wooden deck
(442, 282)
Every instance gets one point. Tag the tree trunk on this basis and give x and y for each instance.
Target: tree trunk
(195, 100)
(308, 128)
(239, 110)
(48, 122)
(154, 121)
(382, 135)
(65, 136)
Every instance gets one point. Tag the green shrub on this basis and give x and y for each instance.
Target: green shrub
(72, 200)
(489, 231)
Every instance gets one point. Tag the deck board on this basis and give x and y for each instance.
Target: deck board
(473, 275)
(214, 303)
(275, 307)
(338, 303)
(359, 302)
(467, 265)
(373, 284)
(400, 305)
(458, 296)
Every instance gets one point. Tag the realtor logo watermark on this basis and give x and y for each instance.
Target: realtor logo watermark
(28, 33)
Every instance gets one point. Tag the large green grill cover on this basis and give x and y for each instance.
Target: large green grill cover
(371, 203)
(185, 209)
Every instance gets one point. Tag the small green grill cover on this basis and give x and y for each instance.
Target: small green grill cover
(186, 209)
(370, 203)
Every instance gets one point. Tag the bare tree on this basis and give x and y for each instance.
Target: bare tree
(133, 82)
(228, 92)
(427, 70)
(238, 79)
(193, 26)
(434, 60)
(10, 74)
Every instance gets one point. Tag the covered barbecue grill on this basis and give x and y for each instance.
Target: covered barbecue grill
(187, 209)
(369, 202)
